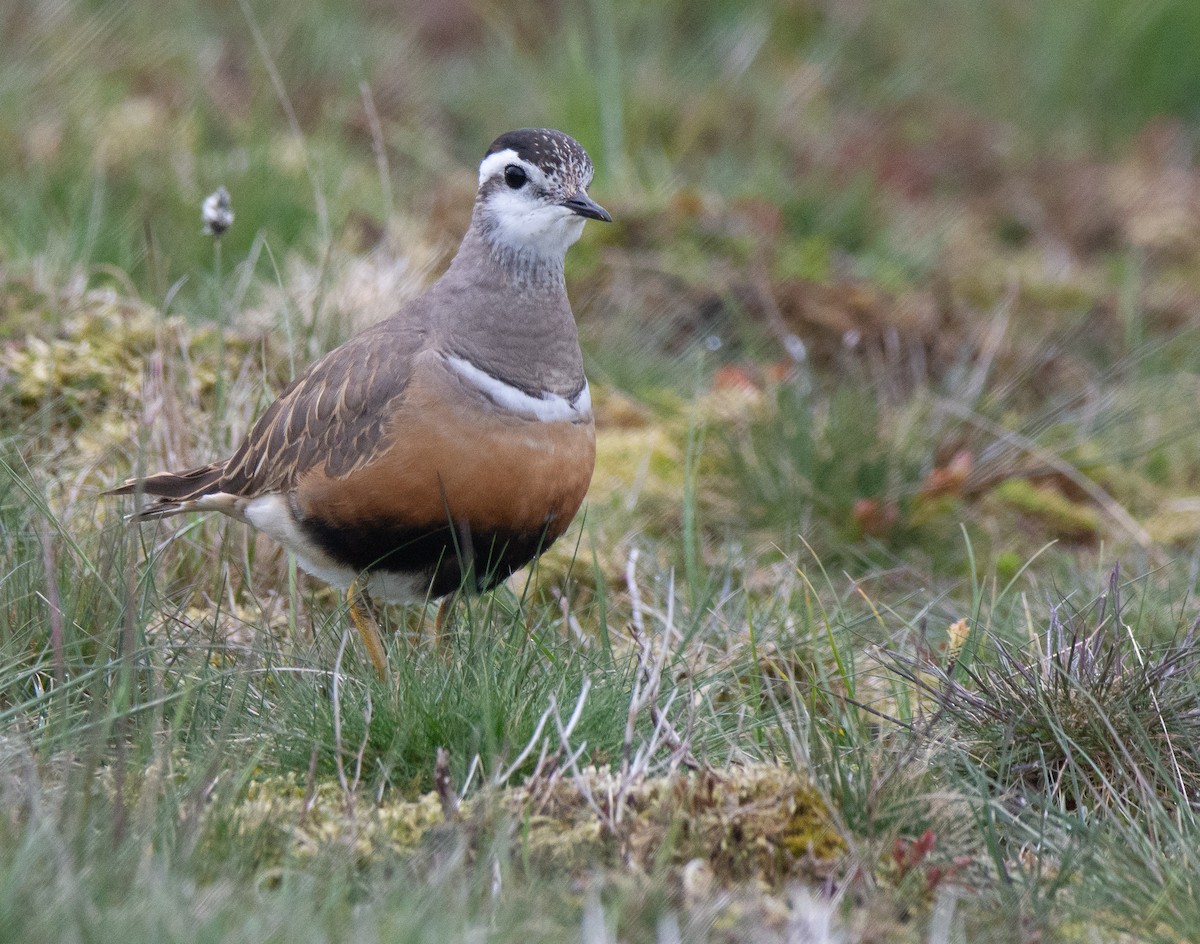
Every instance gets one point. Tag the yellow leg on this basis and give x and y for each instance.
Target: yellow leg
(443, 614)
(368, 628)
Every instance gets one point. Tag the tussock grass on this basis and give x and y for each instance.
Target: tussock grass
(1082, 715)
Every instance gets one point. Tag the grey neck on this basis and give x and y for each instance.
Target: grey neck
(509, 317)
(522, 267)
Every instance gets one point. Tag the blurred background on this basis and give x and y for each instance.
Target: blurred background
(995, 206)
(816, 139)
(894, 357)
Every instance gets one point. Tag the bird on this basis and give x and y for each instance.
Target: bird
(448, 445)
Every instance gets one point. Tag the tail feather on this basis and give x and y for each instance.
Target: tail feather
(175, 492)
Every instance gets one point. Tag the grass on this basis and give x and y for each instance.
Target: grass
(878, 625)
(1094, 73)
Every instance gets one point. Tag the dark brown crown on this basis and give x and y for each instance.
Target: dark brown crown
(559, 155)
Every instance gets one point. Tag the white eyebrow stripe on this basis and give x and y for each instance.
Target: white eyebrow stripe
(546, 408)
(495, 162)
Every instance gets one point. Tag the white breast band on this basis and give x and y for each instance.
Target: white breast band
(546, 407)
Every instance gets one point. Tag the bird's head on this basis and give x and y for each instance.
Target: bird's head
(533, 200)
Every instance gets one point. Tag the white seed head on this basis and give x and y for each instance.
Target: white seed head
(217, 212)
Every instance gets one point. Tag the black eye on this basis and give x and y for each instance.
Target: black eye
(515, 176)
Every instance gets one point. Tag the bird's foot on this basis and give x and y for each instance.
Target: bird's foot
(361, 615)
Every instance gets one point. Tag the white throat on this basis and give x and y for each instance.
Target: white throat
(528, 233)
(523, 225)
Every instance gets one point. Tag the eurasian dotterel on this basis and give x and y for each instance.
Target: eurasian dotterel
(449, 444)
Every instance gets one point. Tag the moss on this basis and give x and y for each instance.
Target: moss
(758, 822)
(1008, 565)
(98, 360)
(303, 823)
(1178, 523)
(808, 831)
(1064, 518)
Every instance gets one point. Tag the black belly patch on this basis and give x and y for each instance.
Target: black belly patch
(436, 553)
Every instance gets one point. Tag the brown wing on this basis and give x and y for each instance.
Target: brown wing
(333, 417)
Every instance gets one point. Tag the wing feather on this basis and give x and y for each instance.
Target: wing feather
(334, 417)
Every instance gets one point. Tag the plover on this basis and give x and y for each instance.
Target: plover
(449, 444)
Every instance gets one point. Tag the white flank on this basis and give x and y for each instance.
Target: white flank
(547, 408)
(272, 515)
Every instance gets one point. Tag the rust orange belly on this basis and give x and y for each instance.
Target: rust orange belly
(460, 485)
